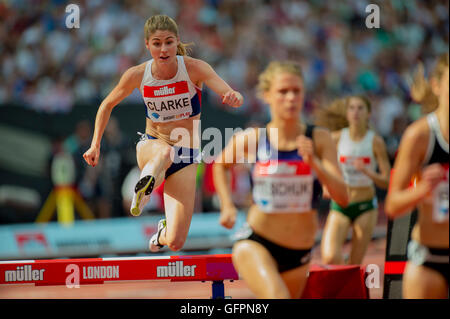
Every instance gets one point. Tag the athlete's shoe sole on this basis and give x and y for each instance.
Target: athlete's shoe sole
(143, 188)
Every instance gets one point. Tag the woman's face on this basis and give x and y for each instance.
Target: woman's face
(286, 95)
(357, 111)
(162, 45)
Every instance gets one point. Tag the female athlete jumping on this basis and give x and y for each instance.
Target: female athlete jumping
(171, 86)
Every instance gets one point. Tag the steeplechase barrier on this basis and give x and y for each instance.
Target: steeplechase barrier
(86, 271)
(333, 281)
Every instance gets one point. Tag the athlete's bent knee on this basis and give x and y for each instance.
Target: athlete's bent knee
(175, 244)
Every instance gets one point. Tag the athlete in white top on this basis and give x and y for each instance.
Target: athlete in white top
(170, 84)
(359, 151)
(350, 151)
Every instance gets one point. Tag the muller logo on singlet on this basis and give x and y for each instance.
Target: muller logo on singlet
(165, 90)
(24, 273)
(175, 269)
(171, 89)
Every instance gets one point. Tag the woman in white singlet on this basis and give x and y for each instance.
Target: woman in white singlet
(273, 252)
(171, 86)
(423, 154)
(360, 151)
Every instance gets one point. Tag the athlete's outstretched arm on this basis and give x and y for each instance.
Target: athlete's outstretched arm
(128, 82)
(401, 198)
(321, 155)
(224, 162)
(205, 73)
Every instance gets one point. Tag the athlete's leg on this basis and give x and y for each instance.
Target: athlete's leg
(363, 227)
(153, 157)
(179, 198)
(259, 269)
(420, 282)
(295, 279)
(333, 238)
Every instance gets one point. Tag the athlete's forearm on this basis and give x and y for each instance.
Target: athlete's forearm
(380, 180)
(101, 120)
(211, 78)
(334, 184)
(222, 185)
(404, 201)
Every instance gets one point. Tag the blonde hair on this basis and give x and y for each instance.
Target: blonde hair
(334, 117)
(266, 77)
(421, 91)
(165, 23)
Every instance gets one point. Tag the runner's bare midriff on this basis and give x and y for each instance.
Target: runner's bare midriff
(290, 230)
(428, 232)
(360, 194)
(183, 133)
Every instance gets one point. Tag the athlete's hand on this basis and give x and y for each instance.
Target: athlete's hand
(305, 148)
(432, 175)
(91, 155)
(358, 164)
(233, 98)
(228, 216)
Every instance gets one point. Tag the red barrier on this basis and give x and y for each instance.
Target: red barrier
(75, 272)
(99, 270)
(336, 282)
(324, 281)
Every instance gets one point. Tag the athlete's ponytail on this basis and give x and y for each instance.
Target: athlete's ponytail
(183, 48)
(166, 23)
(334, 117)
(421, 91)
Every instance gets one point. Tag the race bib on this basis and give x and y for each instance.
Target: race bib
(171, 102)
(284, 186)
(440, 199)
(352, 176)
